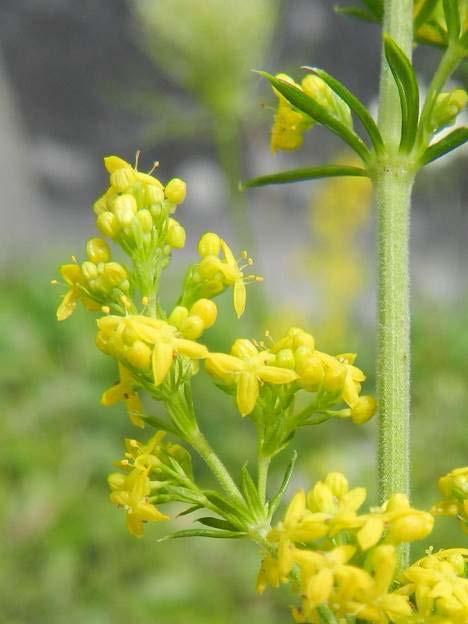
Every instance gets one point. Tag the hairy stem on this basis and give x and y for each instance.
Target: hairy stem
(393, 182)
(263, 467)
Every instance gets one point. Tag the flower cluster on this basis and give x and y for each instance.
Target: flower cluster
(345, 561)
(291, 124)
(454, 487)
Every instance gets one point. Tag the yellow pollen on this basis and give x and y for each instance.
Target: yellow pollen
(105, 309)
(54, 282)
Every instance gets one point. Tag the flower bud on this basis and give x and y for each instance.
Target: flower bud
(114, 273)
(334, 379)
(175, 234)
(312, 373)
(156, 210)
(139, 355)
(116, 481)
(206, 310)
(285, 358)
(178, 316)
(89, 270)
(98, 250)
(447, 107)
(154, 194)
(192, 327)
(108, 224)
(145, 220)
(209, 245)
(410, 526)
(176, 190)
(121, 179)
(125, 208)
(302, 356)
(337, 483)
(100, 205)
(363, 409)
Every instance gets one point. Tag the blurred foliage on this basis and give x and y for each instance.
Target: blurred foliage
(66, 554)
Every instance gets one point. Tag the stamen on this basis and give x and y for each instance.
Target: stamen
(155, 166)
(54, 282)
(137, 159)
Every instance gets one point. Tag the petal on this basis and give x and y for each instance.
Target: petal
(228, 255)
(148, 512)
(223, 365)
(71, 273)
(370, 533)
(162, 358)
(67, 305)
(191, 349)
(135, 525)
(114, 394)
(247, 392)
(276, 375)
(112, 163)
(135, 410)
(240, 296)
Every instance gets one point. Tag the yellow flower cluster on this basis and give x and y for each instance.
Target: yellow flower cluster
(132, 489)
(454, 487)
(96, 282)
(433, 30)
(342, 559)
(217, 270)
(293, 358)
(290, 124)
(439, 587)
(135, 208)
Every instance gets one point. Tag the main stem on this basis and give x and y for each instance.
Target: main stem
(393, 181)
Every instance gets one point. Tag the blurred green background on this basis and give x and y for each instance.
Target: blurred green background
(171, 77)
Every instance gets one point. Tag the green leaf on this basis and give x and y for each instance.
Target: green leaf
(305, 173)
(158, 423)
(424, 13)
(217, 523)
(357, 13)
(354, 103)
(250, 491)
(451, 141)
(276, 500)
(407, 84)
(452, 19)
(226, 507)
(318, 113)
(189, 510)
(204, 533)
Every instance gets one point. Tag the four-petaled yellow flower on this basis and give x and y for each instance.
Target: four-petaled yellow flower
(247, 368)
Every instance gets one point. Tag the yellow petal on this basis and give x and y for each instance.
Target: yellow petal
(240, 296)
(191, 349)
(276, 375)
(223, 365)
(68, 305)
(370, 533)
(135, 410)
(112, 163)
(319, 587)
(247, 392)
(162, 358)
(114, 394)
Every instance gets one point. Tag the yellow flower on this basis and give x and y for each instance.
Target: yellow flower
(454, 487)
(124, 390)
(132, 494)
(247, 368)
(289, 125)
(406, 524)
(138, 339)
(74, 278)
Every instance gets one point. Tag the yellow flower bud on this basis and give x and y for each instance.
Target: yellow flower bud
(145, 220)
(89, 270)
(206, 310)
(121, 179)
(175, 234)
(154, 194)
(139, 355)
(112, 163)
(337, 483)
(285, 358)
(411, 526)
(447, 107)
(125, 208)
(98, 250)
(116, 481)
(178, 316)
(192, 327)
(363, 409)
(108, 224)
(334, 379)
(319, 587)
(114, 273)
(176, 191)
(312, 373)
(209, 245)
(100, 205)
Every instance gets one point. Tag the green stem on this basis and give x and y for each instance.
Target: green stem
(219, 470)
(263, 467)
(393, 181)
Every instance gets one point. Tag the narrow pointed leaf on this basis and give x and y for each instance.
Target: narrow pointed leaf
(227, 509)
(305, 173)
(455, 139)
(213, 533)
(354, 103)
(189, 510)
(217, 523)
(452, 18)
(158, 423)
(276, 500)
(424, 13)
(407, 84)
(250, 491)
(357, 13)
(321, 115)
